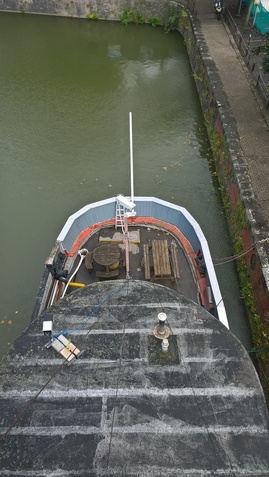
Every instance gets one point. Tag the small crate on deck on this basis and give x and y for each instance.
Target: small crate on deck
(47, 324)
(64, 347)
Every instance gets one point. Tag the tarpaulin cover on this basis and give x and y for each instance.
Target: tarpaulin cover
(261, 15)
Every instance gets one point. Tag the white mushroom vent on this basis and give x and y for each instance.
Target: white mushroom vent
(161, 331)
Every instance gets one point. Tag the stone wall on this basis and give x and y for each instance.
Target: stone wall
(105, 9)
(242, 211)
(246, 224)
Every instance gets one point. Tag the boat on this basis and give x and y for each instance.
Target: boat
(163, 243)
(140, 238)
(128, 367)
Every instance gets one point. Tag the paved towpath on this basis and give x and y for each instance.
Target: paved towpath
(250, 116)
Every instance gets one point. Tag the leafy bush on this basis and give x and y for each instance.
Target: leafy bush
(140, 18)
(92, 16)
(172, 21)
(126, 17)
(154, 21)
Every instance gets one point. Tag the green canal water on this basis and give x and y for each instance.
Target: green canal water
(67, 86)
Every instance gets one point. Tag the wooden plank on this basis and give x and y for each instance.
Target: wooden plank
(68, 344)
(175, 265)
(66, 348)
(161, 262)
(73, 349)
(89, 260)
(146, 261)
(57, 345)
(67, 354)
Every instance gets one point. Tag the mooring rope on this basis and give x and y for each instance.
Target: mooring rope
(222, 261)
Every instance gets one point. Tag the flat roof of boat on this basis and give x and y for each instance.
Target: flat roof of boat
(124, 407)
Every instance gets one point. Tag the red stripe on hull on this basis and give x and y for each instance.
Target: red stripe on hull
(85, 234)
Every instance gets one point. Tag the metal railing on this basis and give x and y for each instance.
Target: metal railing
(245, 51)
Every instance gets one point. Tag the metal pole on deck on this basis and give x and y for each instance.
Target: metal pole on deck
(126, 246)
(126, 233)
(131, 157)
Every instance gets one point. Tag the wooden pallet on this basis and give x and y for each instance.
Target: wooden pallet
(161, 262)
(64, 347)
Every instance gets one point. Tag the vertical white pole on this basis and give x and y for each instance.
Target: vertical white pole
(131, 157)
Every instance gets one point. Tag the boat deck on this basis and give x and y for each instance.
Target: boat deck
(154, 255)
(124, 407)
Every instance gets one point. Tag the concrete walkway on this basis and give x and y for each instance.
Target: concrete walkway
(250, 116)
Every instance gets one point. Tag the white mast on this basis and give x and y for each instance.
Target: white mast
(131, 157)
(124, 205)
(126, 233)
